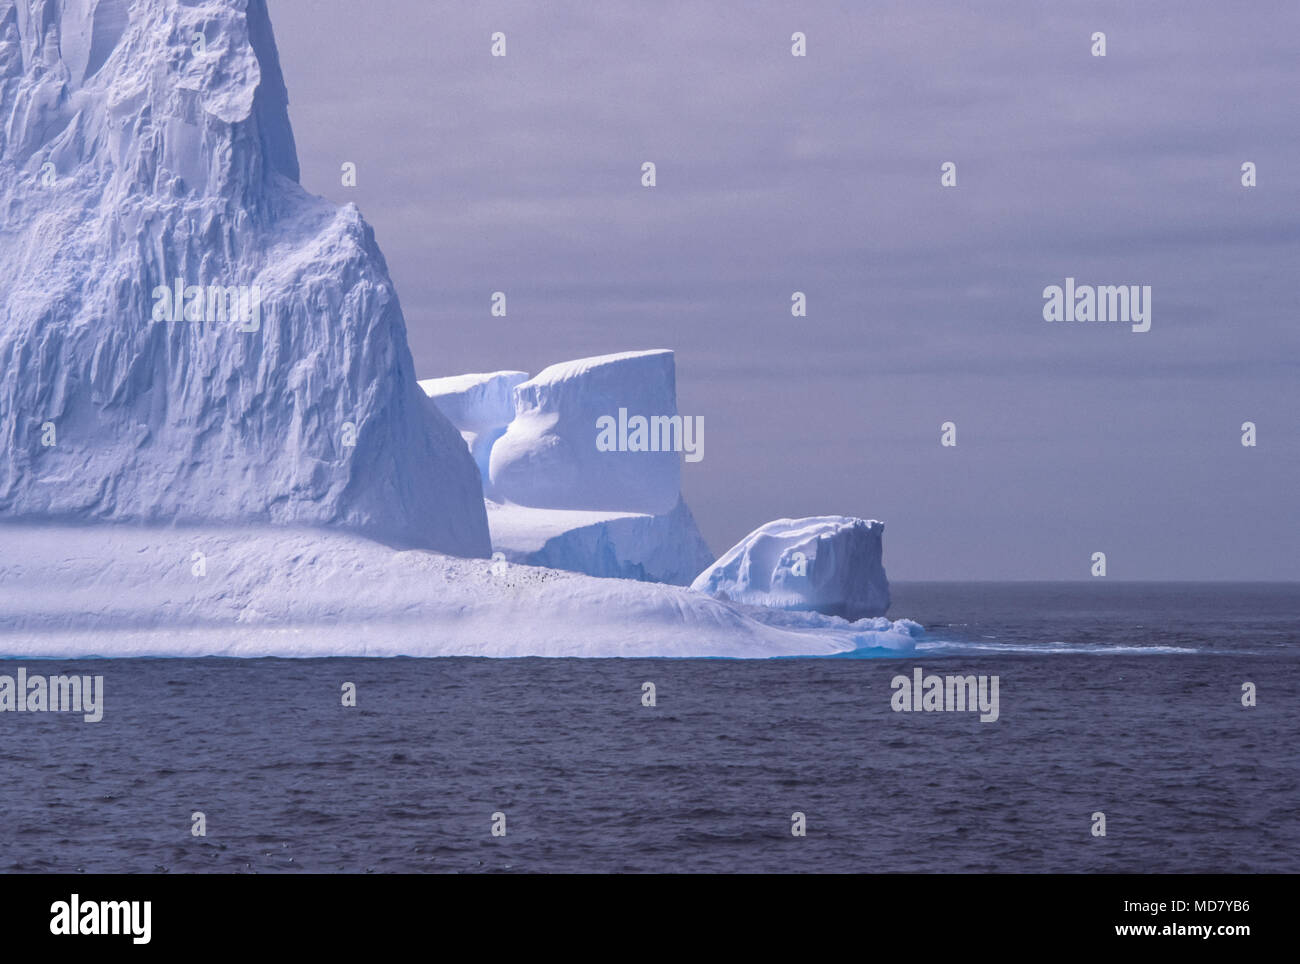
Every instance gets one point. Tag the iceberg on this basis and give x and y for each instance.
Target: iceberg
(827, 564)
(214, 441)
(553, 498)
(186, 335)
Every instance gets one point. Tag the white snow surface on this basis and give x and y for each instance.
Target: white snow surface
(548, 458)
(129, 159)
(626, 545)
(828, 564)
(115, 590)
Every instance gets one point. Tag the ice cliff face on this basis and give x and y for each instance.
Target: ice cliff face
(618, 545)
(145, 147)
(548, 457)
(828, 564)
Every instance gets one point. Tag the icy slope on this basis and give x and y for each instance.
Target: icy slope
(548, 458)
(145, 145)
(627, 545)
(830, 564)
(134, 591)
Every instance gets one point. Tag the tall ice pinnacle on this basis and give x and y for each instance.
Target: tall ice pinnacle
(186, 335)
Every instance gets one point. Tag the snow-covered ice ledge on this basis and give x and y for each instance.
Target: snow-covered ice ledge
(128, 591)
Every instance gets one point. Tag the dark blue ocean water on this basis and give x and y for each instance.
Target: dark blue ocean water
(1120, 698)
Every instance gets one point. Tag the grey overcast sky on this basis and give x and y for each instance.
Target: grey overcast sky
(822, 174)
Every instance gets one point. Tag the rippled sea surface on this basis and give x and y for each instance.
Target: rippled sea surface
(1119, 698)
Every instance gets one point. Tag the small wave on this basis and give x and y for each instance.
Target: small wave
(903, 638)
(947, 647)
